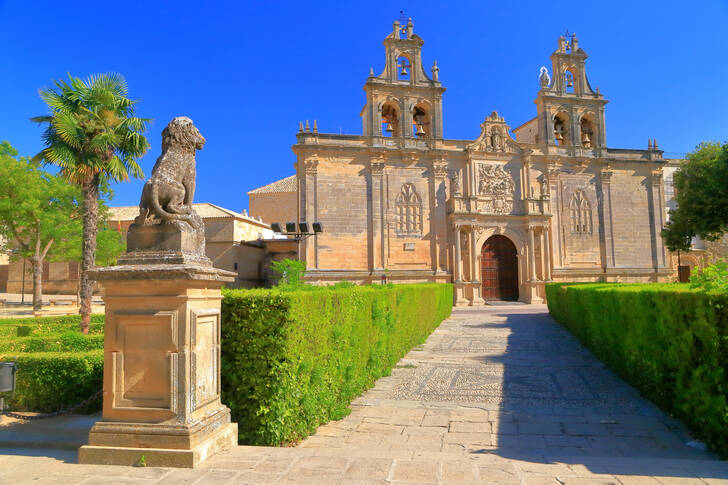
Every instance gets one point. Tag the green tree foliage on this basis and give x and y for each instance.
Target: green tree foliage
(39, 213)
(290, 273)
(701, 189)
(93, 135)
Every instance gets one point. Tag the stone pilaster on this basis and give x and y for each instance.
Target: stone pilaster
(376, 169)
(608, 253)
(438, 179)
(310, 245)
(657, 210)
(474, 270)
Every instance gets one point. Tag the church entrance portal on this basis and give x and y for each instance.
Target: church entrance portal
(499, 269)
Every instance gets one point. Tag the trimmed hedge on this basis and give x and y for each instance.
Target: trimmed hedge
(65, 342)
(668, 341)
(50, 381)
(9, 327)
(57, 365)
(292, 360)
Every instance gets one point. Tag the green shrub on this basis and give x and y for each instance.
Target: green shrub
(292, 360)
(68, 341)
(290, 273)
(667, 340)
(713, 277)
(51, 381)
(23, 330)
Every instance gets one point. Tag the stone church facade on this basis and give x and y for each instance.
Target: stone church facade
(496, 216)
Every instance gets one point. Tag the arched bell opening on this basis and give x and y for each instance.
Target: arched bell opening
(390, 120)
(404, 67)
(499, 269)
(421, 122)
(570, 81)
(587, 135)
(561, 128)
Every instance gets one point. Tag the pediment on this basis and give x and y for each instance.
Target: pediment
(494, 137)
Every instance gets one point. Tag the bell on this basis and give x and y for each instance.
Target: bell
(420, 131)
(403, 72)
(569, 82)
(389, 128)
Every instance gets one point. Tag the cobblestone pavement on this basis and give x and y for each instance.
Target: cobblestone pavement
(500, 395)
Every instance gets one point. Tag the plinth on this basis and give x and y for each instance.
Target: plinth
(161, 365)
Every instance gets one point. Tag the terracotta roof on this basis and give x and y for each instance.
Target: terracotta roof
(206, 210)
(287, 184)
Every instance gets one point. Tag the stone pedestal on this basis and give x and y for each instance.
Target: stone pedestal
(161, 367)
(460, 299)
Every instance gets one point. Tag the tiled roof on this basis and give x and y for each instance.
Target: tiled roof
(287, 184)
(204, 209)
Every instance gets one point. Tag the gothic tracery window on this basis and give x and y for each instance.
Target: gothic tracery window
(408, 216)
(581, 217)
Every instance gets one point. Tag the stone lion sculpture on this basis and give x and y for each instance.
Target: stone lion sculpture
(167, 196)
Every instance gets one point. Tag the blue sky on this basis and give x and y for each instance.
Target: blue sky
(248, 72)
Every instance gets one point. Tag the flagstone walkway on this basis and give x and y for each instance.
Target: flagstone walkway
(500, 394)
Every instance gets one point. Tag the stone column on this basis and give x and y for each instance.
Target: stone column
(547, 254)
(533, 283)
(477, 285)
(458, 257)
(531, 255)
(459, 284)
(376, 167)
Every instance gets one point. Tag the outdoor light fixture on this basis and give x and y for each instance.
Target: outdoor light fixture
(299, 230)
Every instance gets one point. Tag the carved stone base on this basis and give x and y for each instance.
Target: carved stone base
(161, 367)
(460, 299)
(172, 243)
(156, 447)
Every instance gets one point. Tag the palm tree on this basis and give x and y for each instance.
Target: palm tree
(94, 137)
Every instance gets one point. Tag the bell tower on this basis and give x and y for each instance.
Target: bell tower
(570, 112)
(403, 101)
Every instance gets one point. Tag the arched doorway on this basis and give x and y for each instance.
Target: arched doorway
(499, 267)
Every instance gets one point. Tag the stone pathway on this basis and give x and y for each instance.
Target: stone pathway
(500, 395)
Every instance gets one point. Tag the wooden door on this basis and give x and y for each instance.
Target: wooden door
(499, 267)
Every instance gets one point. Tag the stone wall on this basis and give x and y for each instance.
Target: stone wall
(274, 207)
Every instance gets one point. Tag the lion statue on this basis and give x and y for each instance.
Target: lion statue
(167, 195)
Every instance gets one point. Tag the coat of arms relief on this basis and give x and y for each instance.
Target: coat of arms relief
(495, 189)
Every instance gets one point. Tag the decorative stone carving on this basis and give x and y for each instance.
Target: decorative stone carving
(493, 137)
(408, 216)
(161, 381)
(376, 165)
(167, 228)
(455, 186)
(496, 186)
(311, 165)
(439, 168)
(544, 79)
(544, 186)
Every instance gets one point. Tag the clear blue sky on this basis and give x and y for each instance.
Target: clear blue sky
(248, 72)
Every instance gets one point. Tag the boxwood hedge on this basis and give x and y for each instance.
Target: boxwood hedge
(668, 341)
(49, 381)
(292, 360)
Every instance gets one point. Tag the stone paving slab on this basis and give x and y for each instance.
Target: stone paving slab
(497, 395)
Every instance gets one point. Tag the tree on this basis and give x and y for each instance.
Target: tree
(38, 213)
(702, 197)
(93, 135)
